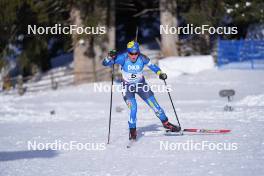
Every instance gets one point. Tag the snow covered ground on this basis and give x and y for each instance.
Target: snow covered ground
(176, 66)
(80, 114)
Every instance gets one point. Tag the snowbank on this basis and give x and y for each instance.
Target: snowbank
(175, 66)
(252, 100)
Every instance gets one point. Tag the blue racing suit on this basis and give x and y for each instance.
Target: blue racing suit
(133, 82)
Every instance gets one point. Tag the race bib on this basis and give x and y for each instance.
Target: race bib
(132, 77)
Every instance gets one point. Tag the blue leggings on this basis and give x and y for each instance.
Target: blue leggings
(148, 96)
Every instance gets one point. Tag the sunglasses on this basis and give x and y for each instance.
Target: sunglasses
(133, 54)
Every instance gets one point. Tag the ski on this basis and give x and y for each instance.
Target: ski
(213, 131)
(130, 143)
(185, 132)
(162, 132)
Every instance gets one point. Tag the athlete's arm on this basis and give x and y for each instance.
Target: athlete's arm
(154, 68)
(151, 66)
(109, 61)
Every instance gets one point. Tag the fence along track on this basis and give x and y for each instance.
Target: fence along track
(50, 80)
(64, 76)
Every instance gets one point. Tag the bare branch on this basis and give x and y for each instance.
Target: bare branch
(145, 11)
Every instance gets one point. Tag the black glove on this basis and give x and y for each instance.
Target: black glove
(163, 76)
(112, 54)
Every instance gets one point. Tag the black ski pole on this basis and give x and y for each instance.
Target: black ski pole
(111, 98)
(172, 104)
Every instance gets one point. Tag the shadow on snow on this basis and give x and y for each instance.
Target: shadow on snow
(28, 154)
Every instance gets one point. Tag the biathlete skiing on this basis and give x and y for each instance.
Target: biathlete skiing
(132, 63)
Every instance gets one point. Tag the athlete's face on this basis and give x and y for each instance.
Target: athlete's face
(133, 56)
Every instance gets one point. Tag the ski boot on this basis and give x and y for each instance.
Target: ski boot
(132, 133)
(173, 128)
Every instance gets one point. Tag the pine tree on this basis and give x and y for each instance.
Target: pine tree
(15, 17)
(202, 12)
(243, 14)
(37, 50)
(90, 49)
(168, 17)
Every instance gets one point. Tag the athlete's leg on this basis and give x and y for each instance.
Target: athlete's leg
(132, 105)
(148, 96)
(129, 98)
(153, 104)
